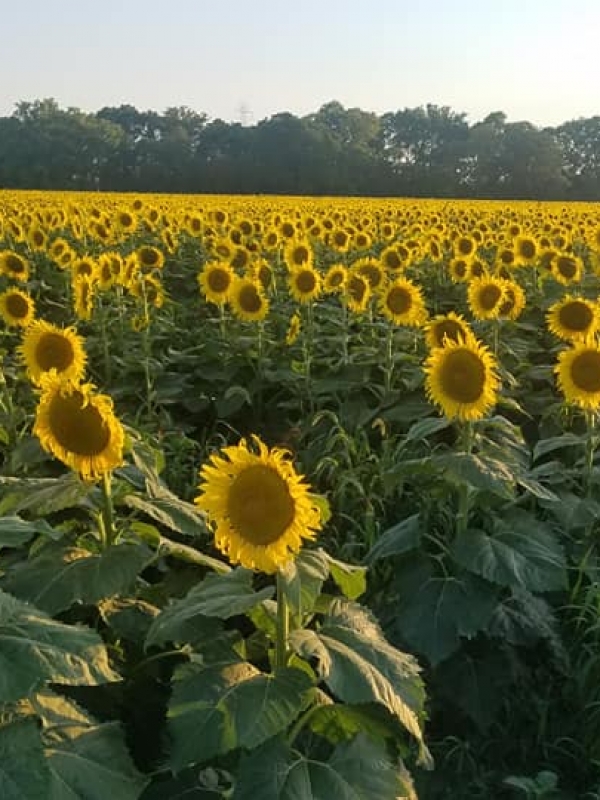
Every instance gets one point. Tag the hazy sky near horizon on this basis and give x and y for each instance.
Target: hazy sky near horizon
(247, 60)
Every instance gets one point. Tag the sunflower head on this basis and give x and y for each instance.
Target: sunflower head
(566, 268)
(485, 297)
(357, 292)
(78, 427)
(215, 281)
(14, 265)
(451, 327)
(578, 374)
(17, 308)
(461, 379)
(248, 301)
(260, 509)
(304, 284)
(47, 348)
(335, 279)
(402, 303)
(293, 330)
(573, 318)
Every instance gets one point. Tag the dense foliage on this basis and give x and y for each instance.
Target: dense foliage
(427, 151)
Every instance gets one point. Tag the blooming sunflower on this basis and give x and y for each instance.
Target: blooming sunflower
(459, 269)
(298, 253)
(293, 330)
(83, 297)
(46, 347)
(373, 271)
(566, 268)
(150, 257)
(304, 284)
(394, 257)
(526, 250)
(514, 300)
(17, 308)
(573, 318)
(335, 279)
(451, 327)
(14, 265)
(79, 427)
(578, 374)
(357, 292)
(402, 303)
(215, 281)
(462, 379)
(485, 297)
(259, 507)
(248, 301)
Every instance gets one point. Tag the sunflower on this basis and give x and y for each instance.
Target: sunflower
(293, 330)
(259, 507)
(339, 239)
(37, 238)
(394, 257)
(485, 297)
(304, 284)
(465, 247)
(14, 265)
(578, 374)
(447, 327)
(17, 308)
(126, 221)
(248, 301)
(83, 297)
(461, 379)
(298, 253)
(566, 268)
(79, 427)
(373, 271)
(215, 282)
(85, 267)
(357, 292)
(402, 303)
(514, 300)
(335, 279)
(150, 257)
(526, 250)
(573, 318)
(148, 289)
(46, 347)
(459, 269)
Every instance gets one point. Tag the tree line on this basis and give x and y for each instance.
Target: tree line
(428, 151)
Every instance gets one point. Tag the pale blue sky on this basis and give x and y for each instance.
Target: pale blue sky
(533, 59)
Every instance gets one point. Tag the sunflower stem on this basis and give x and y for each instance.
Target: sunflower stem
(107, 513)
(308, 353)
(463, 497)
(283, 624)
(389, 359)
(590, 448)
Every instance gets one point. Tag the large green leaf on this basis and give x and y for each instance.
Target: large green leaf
(303, 579)
(62, 576)
(15, 531)
(46, 495)
(400, 538)
(219, 596)
(435, 610)
(215, 709)
(172, 512)
(87, 760)
(357, 770)
(479, 471)
(520, 553)
(359, 666)
(24, 774)
(350, 579)
(35, 649)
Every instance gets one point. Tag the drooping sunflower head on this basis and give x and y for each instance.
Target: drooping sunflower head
(485, 297)
(402, 303)
(461, 379)
(293, 330)
(215, 282)
(446, 327)
(260, 509)
(357, 292)
(578, 374)
(79, 427)
(573, 318)
(45, 348)
(17, 308)
(247, 300)
(304, 284)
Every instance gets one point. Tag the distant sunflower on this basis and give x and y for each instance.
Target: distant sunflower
(357, 293)
(394, 257)
(566, 268)
(578, 374)
(215, 281)
(150, 257)
(514, 300)
(79, 427)
(485, 297)
(248, 301)
(459, 269)
(372, 270)
(37, 238)
(461, 379)
(335, 279)
(526, 250)
(83, 297)
(304, 284)
(260, 509)
(46, 347)
(14, 265)
(298, 253)
(573, 318)
(126, 221)
(402, 302)
(465, 247)
(446, 327)
(293, 330)
(340, 240)
(17, 308)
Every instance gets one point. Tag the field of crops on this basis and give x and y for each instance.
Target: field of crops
(298, 498)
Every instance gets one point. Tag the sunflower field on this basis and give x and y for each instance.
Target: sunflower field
(298, 498)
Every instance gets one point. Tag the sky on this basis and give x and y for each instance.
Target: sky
(245, 60)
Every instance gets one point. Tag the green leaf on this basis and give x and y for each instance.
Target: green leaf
(359, 666)
(350, 579)
(425, 427)
(434, 611)
(400, 538)
(215, 709)
(545, 446)
(338, 722)
(43, 496)
(479, 471)
(357, 770)
(24, 773)
(170, 511)
(15, 531)
(537, 489)
(221, 596)
(62, 576)
(303, 579)
(521, 553)
(35, 649)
